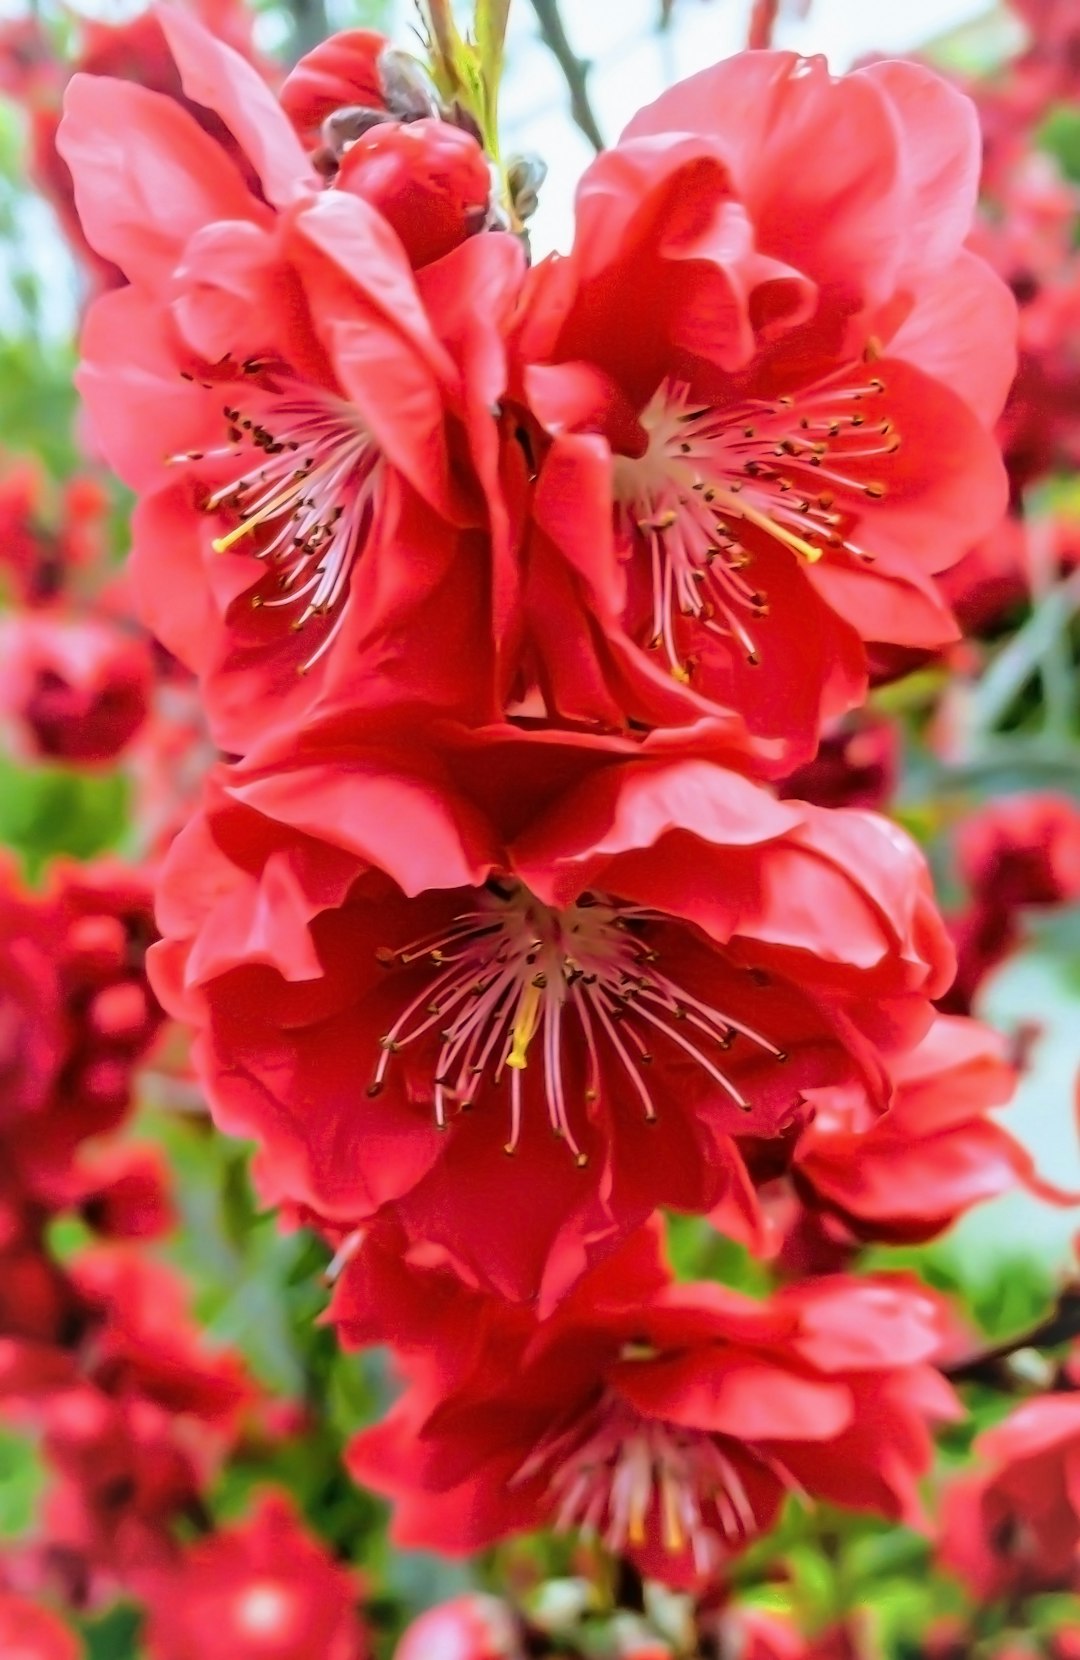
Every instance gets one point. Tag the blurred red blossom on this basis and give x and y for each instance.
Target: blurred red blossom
(30, 1632)
(1014, 1525)
(262, 1589)
(469, 1627)
(1022, 851)
(78, 690)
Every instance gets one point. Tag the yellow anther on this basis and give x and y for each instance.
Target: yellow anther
(674, 1534)
(525, 1027)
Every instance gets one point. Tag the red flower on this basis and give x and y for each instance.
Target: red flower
(1020, 851)
(79, 690)
(1015, 1526)
(32, 1026)
(28, 1632)
(265, 1589)
(660, 959)
(306, 420)
(669, 1421)
(377, 131)
(146, 1345)
(933, 1155)
(134, 1439)
(87, 1017)
(345, 72)
(47, 545)
(123, 1472)
(124, 1193)
(136, 51)
(749, 483)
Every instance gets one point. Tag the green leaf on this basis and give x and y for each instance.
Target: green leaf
(22, 1478)
(49, 810)
(115, 1636)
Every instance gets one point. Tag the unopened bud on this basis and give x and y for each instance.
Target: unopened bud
(344, 126)
(406, 85)
(524, 176)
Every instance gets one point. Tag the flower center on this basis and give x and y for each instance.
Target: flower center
(265, 1609)
(630, 1481)
(797, 470)
(515, 977)
(306, 495)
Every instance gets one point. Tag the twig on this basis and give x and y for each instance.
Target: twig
(991, 1365)
(1014, 667)
(574, 69)
(310, 25)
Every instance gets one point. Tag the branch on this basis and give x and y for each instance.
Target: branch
(310, 25)
(992, 1365)
(575, 71)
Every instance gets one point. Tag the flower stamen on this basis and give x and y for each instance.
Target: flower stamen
(308, 495)
(712, 479)
(514, 980)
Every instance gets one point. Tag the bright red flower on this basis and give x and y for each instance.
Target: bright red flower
(345, 72)
(134, 1438)
(430, 181)
(669, 1421)
(306, 420)
(79, 690)
(934, 1154)
(749, 483)
(664, 957)
(993, 584)
(28, 1632)
(1015, 1526)
(1022, 850)
(847, 1179)
(264, 1589)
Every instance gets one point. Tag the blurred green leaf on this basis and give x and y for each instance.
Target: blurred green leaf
(115, 1636)
(22, 1478)
(45, 811)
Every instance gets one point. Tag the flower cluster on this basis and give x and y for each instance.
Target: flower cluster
(100, 1358)
(498, 668)
(510, 593)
